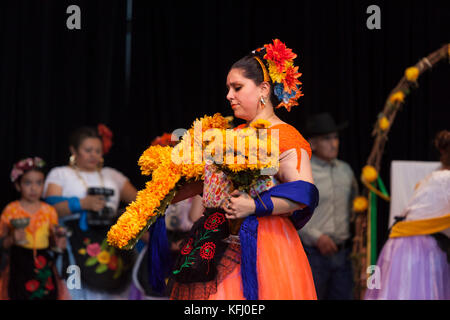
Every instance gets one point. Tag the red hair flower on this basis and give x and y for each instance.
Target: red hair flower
(208, 250)
(32, 285)
(187, 247)
(164, 140)
(40, 262)
(106, 135)
(279, 54)
(214, 220)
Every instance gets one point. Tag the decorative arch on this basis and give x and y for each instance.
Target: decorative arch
(364, 207)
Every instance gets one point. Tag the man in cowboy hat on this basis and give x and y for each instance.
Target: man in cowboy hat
(326, 237)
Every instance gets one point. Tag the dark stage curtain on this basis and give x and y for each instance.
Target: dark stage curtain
(54, 79)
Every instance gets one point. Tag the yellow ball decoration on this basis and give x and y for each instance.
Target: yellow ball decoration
(397, 97)
(360, 204)
(369, 173)
(383, 123)
(411, 74)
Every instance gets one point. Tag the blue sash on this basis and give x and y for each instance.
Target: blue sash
(159, 256)
(74, 206)
(297, 191)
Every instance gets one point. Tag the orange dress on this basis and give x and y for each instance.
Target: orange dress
(283, 269)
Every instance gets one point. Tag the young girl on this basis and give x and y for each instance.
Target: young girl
(27, 228)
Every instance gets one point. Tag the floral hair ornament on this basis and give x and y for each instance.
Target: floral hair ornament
(164, 140)
(25, 165)
(106, 135)
(282, 72)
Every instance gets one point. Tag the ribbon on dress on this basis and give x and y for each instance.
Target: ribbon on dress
(297, 191)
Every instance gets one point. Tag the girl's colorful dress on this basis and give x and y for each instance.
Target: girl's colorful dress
(30, 273)
(210, 263)
(414, 262)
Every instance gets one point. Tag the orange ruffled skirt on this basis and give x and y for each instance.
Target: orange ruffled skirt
(283, 268)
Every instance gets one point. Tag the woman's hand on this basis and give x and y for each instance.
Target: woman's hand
(93, 203)
(239, 205)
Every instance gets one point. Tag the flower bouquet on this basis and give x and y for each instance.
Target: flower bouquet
(170, 168)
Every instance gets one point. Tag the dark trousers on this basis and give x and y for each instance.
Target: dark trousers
(333, 276)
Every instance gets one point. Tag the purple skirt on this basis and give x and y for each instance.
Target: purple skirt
(411, 268)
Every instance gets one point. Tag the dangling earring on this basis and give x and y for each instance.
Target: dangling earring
(72, 161)
(100, 164)
(263, 103)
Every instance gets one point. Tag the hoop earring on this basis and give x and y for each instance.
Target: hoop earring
(263, 103)
(72, 161)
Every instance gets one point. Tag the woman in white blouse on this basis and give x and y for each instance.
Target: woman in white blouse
(86, 196)
(414, 262)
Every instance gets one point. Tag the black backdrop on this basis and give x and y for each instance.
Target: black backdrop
(53, 80)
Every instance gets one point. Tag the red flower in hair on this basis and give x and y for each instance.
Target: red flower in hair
(208, 250)
(106, 135)
(279, 54)
(187, 247)
(214, 220)
(164, 140)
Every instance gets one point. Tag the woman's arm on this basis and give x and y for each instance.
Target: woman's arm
(62, 207)
(94, 203)
(128, 192)
(188, 191)
(197, 208)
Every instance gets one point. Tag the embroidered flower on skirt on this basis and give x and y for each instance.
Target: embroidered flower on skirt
(203, 248)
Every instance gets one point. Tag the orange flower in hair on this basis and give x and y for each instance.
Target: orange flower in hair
(283, 73)
(106, 135)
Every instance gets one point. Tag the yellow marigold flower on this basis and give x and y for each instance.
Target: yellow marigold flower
(383, 123)
(397, 97)
(411, 74)
(260, 124)
(360, 204)
(369, 173)
(104, 257)
(274, 73)
(82, 251)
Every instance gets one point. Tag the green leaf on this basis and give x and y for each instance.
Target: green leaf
(101, 268)
(104, 244)
(91, 261)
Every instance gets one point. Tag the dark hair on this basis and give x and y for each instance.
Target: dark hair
(442, 143)
(252, 70)
(78, 136)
